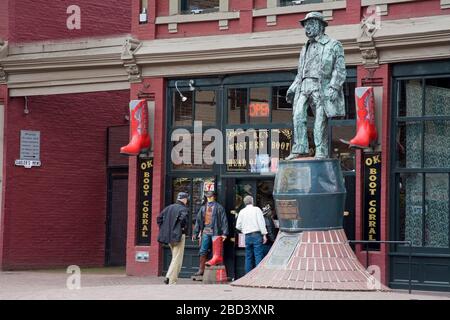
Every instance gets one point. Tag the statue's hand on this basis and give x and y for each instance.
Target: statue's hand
(290, 96)
(332, 93)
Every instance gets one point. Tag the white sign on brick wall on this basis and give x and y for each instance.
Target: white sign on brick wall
(30, 146)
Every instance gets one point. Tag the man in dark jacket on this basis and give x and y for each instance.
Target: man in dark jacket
(270, 226)
(211, 226)
(172, 222)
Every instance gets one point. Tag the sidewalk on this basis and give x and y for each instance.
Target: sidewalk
(101, 284)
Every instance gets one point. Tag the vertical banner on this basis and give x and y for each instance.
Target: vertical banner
(372, 196)
(144, 212)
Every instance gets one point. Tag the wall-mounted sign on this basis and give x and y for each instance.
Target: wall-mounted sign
(144, 210)
(259, 109)
(372, 195)
(142, 256)
(30, 146)
(30, 143)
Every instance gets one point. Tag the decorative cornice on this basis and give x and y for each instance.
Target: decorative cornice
(368, 28)
(129, 49)
(82, 65)
(3, 54)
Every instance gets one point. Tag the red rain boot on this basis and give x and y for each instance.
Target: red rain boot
(217, 252)
(140, 138)
(366, 130)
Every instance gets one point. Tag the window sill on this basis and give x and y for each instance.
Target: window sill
(339, 4)
(188, 18)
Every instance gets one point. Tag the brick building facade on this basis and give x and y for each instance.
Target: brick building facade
(78, 83)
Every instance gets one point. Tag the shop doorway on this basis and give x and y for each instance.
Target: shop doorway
(261, 190)
(116, 223)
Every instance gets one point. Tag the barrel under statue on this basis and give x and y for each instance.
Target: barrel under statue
(311, 250)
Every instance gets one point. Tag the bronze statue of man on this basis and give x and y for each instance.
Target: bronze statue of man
(318, 84)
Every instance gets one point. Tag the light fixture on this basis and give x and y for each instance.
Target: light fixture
(25, 108)
(191, 88)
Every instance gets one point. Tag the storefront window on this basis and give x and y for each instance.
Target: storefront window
(437, 97)
(183, 115)
(237, 106)
(259, 107)
(199, 6)
(185, 156)
(199, 105)
(195, 187)
(341, 150)
(422, 145)
(281, 109)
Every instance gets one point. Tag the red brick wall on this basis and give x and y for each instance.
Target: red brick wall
(33, 20)
(351, 15)
(55, 215)
(414, 9)
(4, 19)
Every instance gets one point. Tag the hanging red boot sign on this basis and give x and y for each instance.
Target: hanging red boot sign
(366, 130)
(139, 129)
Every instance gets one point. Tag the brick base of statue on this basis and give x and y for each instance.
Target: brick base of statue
(311, 260)
(215, 274)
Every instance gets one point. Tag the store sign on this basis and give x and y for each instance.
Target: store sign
(144, 213)
(372, 195)
(30, 146)
(259, 109)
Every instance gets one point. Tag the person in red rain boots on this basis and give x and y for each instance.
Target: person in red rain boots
(211, 226)
(140, 138)
(366, 130)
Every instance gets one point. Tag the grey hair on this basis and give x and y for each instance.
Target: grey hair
(248, 200)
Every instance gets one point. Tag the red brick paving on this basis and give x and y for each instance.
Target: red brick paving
(322, 260)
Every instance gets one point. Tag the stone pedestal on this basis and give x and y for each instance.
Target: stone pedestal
(311, 249)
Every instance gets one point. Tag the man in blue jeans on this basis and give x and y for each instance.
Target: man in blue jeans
(211, 227)
(251, 222)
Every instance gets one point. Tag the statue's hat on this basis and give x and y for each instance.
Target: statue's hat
(314, 15)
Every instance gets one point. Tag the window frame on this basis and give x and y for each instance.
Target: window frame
(415, 73)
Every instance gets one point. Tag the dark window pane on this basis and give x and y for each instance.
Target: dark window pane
(199, 6)
(182, 185)
(350, 102)
(437, 97)
(411, 207)
(280, 146)
(184, 154)
(437, 144)
(341, 150)
(258, 151)
(436, 210)
(237, 104)
(410, 98)
(259, 108)
(183, 109)
(281, 110)
(236, 150)
(409, 145)
(205, 107)
(284, 3)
